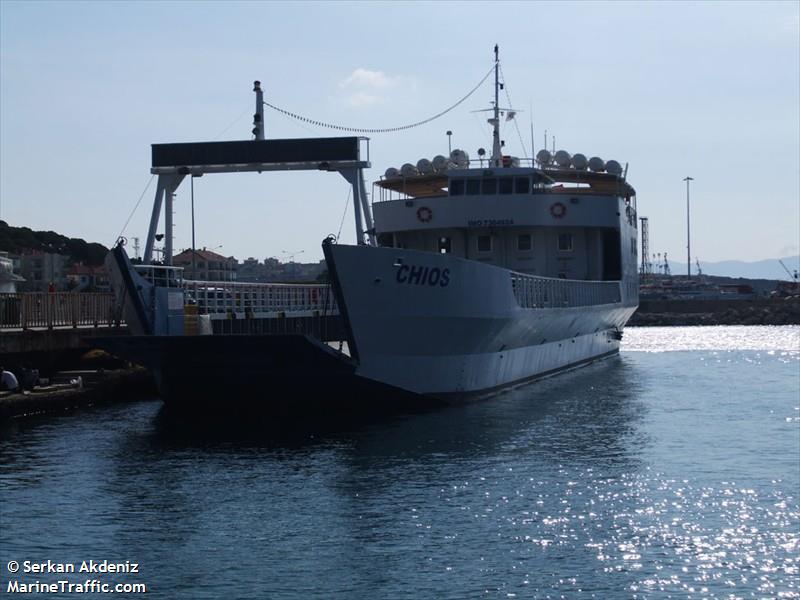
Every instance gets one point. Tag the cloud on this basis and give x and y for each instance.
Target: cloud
(364, 78)
(364, 87)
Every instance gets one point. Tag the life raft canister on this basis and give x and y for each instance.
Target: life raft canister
(424, 214)
(558, 210)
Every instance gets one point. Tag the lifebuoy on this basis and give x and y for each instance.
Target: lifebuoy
(424, 214)
(558, 210)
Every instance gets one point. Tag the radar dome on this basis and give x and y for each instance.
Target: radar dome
(424, 166)
(391, 173)
(408, 170)
(562, 159)
(544, 157)
(614, 167)
(439, 163)
(579, 162)
(597, 164)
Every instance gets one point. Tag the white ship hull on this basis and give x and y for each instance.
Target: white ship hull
(438, 325)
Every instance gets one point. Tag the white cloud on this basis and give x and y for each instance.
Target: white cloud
(364, 78)
(365, 88)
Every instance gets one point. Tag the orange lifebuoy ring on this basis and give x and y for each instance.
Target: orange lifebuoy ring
(424, 214)
(558, 210)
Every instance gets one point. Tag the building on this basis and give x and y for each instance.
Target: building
(85, 278)
(208, 265)
(41, 269)
(8, 279)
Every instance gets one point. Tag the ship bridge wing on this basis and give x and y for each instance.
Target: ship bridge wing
(417, 186)
(568, 181)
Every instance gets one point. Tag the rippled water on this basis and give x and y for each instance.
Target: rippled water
(670, 471)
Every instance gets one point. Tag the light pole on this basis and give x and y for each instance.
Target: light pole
(449, 146)
(688, 232)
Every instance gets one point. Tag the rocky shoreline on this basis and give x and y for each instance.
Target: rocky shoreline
(669, 313)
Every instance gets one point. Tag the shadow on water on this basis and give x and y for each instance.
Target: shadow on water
(587, 413)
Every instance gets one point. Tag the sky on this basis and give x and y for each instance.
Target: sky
(709, 90)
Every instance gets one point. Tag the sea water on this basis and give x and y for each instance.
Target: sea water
(670, 471)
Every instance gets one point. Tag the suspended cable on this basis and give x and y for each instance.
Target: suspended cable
(130, 216)
(344, 214)
(236, 120)
(508, 97)
(384, 130)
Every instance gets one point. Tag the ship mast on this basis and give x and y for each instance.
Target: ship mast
(497, 159)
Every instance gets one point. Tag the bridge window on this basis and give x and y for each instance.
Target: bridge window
(489, 185)
(456, 187)
(473, 187)
(506, 185)
(565, 242)
(484, 243)
(522, 185)
(445, 246)
(524, 242)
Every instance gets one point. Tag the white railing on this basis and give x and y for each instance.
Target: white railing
(546, 292)
(161, 275)
(222, 298)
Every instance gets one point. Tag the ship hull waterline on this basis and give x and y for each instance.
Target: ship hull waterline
(284, 376)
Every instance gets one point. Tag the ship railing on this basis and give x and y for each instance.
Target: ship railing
(48, 310)
(222, 299)
(532, 291)
(161, 275)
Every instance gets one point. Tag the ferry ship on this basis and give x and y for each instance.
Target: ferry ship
(467, 277)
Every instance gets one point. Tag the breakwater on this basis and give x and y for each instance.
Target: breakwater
(771, 311)
(97, 387)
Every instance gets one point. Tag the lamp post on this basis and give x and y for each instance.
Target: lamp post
(688, 232)
(449, 146)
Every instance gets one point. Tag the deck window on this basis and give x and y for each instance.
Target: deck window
(565, 242)
(524, 242)
(445, 246)
(489, 185)
(473, 187)
(506, 185)
(484, 243)
(522, 185)
(457, 187)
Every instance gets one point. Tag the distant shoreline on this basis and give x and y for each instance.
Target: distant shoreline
(717, 312)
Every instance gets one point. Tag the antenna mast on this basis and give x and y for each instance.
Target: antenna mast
(497, 159)
(258, 117)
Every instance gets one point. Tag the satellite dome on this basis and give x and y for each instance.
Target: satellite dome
(597, 164)
(459, 158)
(439, 163)
(579, 162)
(408, 170)
(391, 173)
(614, 167)
(562, 159)
(544, 157)
(424, 166)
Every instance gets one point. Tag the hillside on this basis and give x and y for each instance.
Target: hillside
(762, 269)
(19, 240)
